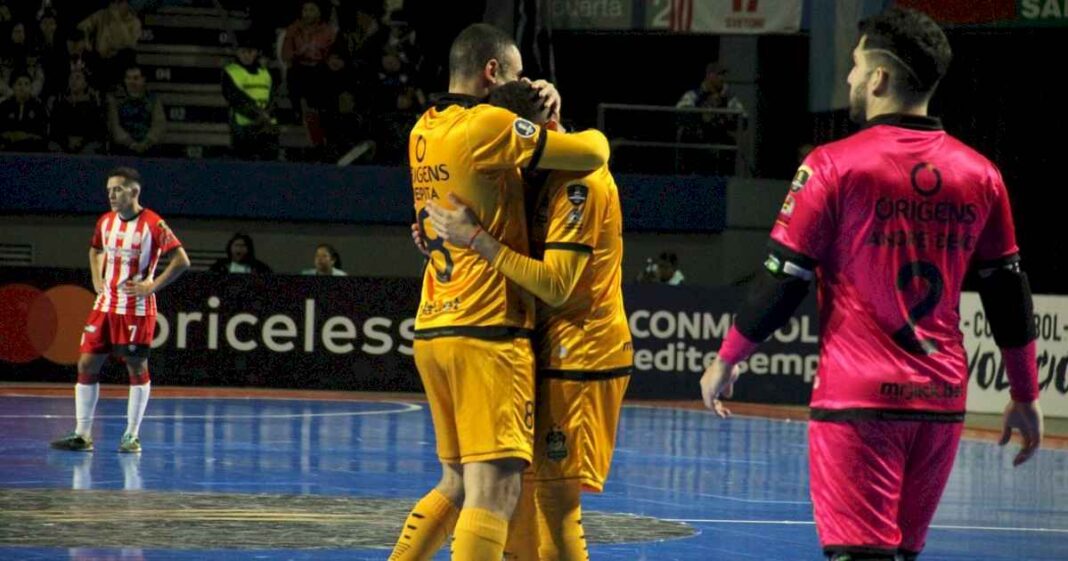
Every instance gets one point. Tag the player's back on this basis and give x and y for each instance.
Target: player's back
(473, 151)
(588, 332)
(906, 207)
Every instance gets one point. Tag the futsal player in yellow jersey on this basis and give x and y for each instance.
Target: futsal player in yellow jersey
(582, 339)
(472, 329)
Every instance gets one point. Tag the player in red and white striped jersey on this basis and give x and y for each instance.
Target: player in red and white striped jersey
(126, 246)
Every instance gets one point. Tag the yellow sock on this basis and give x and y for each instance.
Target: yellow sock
(430, 522)
(560, 532)
(522, 544)
(480, 536)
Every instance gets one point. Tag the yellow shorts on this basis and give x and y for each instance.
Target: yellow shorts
(575, 432)
(481, 395)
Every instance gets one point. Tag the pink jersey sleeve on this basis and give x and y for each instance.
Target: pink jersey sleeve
(806, 221)
(998, 237)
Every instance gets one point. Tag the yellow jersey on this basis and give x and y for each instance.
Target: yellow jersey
(588, 333)
(475, 151)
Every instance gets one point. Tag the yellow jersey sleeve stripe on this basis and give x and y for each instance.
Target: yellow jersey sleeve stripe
(568, 246)
(584, 375)
(543, 137)
(488, 333)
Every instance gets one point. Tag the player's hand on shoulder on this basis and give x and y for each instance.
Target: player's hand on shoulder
(550, 97)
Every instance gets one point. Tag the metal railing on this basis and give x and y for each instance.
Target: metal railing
(677, 139)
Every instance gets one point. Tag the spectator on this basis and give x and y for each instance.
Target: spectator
(363, 38)
(713, 91)
(135, 118)
(307, 44)
(113, 33)
(53, 54)
(81, 58)
(327, 262)
(345, 118)
(247, 86)
(712, 128)
(23, 119)
(665, 270)
(77, 117)
(399, 103)
(240, 257)
(19, 58)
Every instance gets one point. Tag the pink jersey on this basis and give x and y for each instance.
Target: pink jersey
(131, 250)
(892, 217)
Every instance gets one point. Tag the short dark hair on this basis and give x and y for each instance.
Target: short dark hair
(920, 49)
(333, 253)
(520, 98)
(670, 258)
(476, 45)
(133, 67)
(128, 174)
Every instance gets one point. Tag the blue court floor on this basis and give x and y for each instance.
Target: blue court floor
(274, 479)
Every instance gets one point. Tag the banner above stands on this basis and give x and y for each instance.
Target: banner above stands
(994, 13)
(679, 16)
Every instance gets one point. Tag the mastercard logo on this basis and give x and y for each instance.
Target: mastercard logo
(38, 323)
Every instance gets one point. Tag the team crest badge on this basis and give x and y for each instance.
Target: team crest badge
(800, 178)
(524, 128)
(577, 193)
(556, 445)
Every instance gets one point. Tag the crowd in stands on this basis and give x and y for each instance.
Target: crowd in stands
(342, 71)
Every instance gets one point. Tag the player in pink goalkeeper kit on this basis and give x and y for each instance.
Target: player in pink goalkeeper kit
(888, 222)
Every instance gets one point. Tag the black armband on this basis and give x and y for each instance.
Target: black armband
(1006, 297)
(775, 293)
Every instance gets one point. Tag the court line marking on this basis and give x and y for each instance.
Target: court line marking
(812, 523)
(404, 408)
(720, 497)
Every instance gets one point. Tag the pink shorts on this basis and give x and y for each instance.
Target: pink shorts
(875, 484)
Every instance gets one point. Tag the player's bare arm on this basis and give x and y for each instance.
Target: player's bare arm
(178, 265)
(96, 268)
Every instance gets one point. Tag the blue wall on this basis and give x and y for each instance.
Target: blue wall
(46, 184)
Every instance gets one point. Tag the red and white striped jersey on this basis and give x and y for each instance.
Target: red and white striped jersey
(131, 251)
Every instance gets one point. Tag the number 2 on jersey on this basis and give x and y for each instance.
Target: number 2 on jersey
(435, 245)
(906, 337)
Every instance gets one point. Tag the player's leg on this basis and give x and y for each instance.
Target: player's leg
(522, 543)
(134, 342)
(856, 470)
(491, 490)
(432, 519)
(929, 463)
(434, 516)
(95, 347)
(577, 421)
(561, 536)
(136, 403)
(495, 423)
